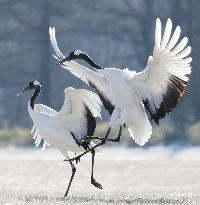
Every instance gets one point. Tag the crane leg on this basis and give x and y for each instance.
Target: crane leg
(103, 141)
(93, 181)
(72, 176)
(117, 139)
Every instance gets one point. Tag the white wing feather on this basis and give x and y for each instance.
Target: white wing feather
(164, 79)
(166, 35)
(38, 139)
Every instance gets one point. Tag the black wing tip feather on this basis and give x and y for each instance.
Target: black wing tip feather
(107, 104)
(175, 91)
(91, 122)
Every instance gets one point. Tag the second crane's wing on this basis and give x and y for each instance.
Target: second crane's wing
(163, 82)
(96, 80)
(78, 112)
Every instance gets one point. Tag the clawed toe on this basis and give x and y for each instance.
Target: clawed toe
(96, 184)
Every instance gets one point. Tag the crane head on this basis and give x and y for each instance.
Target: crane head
(32, 85)
(75, 54)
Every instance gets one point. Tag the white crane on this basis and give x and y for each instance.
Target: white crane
(67, 128)
(126, 93)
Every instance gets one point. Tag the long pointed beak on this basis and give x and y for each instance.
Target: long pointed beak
(22, 91)
(62, 61)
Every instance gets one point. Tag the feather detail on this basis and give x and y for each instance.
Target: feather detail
(163, 82)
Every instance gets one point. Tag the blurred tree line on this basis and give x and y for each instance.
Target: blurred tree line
(116, 33)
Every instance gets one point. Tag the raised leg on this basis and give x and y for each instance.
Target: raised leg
(93, 181)
(72, 176)
(117, 139)
(103, 141)
(119, 135)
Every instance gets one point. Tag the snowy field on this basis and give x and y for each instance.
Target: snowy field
(155, 175)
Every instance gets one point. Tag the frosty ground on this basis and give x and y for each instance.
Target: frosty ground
(156, 175)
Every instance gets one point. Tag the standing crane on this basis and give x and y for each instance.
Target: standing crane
(127, 94)
(67, 128)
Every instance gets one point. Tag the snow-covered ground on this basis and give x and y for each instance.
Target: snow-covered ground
(155, 175)
(114, 153)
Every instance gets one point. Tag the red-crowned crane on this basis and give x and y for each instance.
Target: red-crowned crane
(67, 128)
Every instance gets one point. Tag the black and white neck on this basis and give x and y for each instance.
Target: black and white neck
(86, 58)
(34, 96)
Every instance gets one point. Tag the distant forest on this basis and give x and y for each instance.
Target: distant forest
(116, 33)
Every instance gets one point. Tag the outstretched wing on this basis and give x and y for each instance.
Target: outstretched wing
(79, 111)
(96, 80)
(76, 69)
(164, 80)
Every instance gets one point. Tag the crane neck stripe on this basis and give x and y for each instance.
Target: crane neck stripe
(34, 96)
(86, 58)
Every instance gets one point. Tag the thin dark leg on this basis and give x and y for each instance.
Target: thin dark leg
(110, 140)
(100, 138)
(72, 176)
(93, 181)
(89, 150)
(119, 135)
